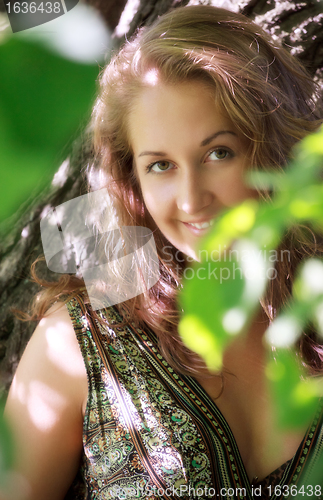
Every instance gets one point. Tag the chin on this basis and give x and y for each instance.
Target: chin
(190, 254)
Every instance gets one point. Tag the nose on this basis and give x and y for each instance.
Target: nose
(194, 192)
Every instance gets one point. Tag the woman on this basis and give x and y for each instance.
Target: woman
(184, 109)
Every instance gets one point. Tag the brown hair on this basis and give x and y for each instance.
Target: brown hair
(266, 93)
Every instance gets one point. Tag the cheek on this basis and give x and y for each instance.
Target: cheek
(150, 195)
(231, 187)
(151, 203)
(158, 199)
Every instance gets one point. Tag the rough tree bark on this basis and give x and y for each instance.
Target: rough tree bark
(297, 24)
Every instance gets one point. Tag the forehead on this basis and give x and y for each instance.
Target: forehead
(164, 114)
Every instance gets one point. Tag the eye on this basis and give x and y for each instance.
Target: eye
(159, 166)
(220, 154)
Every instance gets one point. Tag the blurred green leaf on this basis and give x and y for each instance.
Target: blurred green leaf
(219, 308)
(210, 293)
(45, 100)
(6, 447)
(295, 398)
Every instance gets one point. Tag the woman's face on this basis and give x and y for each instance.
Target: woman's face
(189, 158)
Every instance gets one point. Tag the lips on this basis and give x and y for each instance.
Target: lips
(201, 225)
(199, 228)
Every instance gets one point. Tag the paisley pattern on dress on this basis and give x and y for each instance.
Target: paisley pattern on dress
(150, 433)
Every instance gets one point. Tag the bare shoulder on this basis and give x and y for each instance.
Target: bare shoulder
(45, 407)
(53, 354)
(55, 331)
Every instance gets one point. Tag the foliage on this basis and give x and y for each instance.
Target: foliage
(220, 299)
(6, 448)
(45, 100)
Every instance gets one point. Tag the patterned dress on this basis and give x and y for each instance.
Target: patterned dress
(150, 433)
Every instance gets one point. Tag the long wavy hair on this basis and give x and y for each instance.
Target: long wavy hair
(266, 93)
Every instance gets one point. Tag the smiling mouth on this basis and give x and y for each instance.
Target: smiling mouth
(201, 225)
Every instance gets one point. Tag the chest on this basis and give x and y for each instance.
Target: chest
(244, 398)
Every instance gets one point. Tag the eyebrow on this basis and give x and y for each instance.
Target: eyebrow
(214, 136)
(203, 143)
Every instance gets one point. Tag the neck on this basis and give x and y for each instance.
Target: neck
(248, 345)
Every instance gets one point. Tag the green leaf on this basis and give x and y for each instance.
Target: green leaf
(45, 101)
(6, 447)
(295, 398)
(219, 303)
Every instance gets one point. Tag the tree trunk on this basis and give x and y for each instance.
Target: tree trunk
(295, 24)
